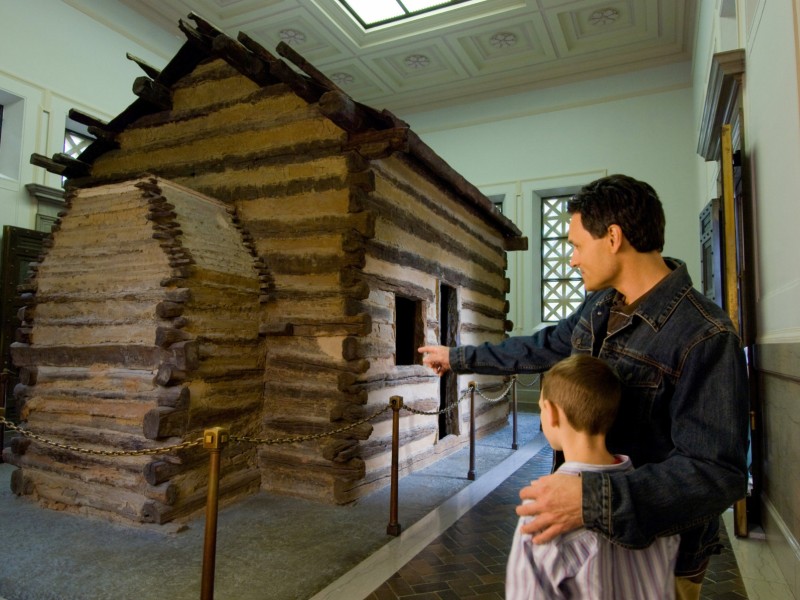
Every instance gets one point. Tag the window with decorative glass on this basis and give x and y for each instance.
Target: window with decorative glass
(75, 143)
(562, 285)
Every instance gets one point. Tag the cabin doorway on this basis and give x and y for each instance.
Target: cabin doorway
(448, 383)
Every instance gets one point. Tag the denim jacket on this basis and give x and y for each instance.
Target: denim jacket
(683, 418)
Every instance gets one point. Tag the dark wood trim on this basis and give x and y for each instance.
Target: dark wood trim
(722, 100)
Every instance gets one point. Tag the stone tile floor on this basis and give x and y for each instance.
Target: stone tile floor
(468, 560)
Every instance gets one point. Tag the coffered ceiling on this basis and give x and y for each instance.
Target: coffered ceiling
(472, 51)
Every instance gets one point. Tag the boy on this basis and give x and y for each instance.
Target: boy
(579, 400)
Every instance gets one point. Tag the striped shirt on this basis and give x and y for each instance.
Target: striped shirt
(582, 564)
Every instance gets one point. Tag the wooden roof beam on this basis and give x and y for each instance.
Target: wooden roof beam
(307, 89)
(99, 129)
(148, 69)
(290, 54)
(247, 63)
(61, 164)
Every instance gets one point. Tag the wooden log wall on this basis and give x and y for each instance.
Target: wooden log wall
(423, 239)
(342, 225)
(141, 330)
(279, 162)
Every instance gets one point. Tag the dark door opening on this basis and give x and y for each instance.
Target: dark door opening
(448, 384)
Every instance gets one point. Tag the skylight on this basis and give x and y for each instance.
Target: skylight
(371, 13)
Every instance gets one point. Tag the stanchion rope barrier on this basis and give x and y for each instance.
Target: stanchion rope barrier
(247, 439)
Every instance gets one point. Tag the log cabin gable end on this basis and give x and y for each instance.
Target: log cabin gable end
(373, 134)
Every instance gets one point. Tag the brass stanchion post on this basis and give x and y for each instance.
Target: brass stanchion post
(514, 445)
(214, 440)
(471, 472)
(396, 402)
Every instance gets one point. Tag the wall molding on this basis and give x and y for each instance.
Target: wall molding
(722, 100)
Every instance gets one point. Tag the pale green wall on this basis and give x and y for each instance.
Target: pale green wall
(55, 58)
(639, 124)
(772, 120)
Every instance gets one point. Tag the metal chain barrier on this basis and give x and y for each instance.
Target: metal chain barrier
(533, 382)
(433, 413)
(214, 440)
(248, 439)
(143, 452)
(503, 395)
(310, 437)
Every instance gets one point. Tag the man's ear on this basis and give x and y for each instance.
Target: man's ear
(615, 237)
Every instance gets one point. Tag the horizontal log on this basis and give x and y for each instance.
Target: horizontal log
(21, 484)
(379, 144)
(359, 324)
(473, 196)
(361, 347)
(169, 375)
(158, 471)
(231, 486)
(153, 93)
(280, 426)
(184, 355)
(342, 110)
(91, 472)
(374, 447)
(81, 408)
(453, 277)
(97, 498)
(92, 438)
(123, 355)
(20, 444)
(163, 422)
(173, 397)
(340, 450)
(408, 375)
(167, 336)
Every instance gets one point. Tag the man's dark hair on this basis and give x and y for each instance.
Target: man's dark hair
(624, 201)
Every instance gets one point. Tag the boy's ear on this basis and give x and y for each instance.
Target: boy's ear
(552, 413)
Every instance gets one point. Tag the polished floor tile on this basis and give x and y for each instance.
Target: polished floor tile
(467, 561)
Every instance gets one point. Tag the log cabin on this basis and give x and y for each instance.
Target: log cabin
(247, 246)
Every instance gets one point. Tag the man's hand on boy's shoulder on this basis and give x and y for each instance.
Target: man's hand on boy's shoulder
(556, 505)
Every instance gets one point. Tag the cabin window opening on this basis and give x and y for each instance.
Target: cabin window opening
(407, 330)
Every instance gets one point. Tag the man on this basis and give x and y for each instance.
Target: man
(684, 413)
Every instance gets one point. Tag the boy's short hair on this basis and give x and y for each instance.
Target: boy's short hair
(587, 390)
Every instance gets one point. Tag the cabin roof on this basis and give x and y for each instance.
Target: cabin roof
(381, 131)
